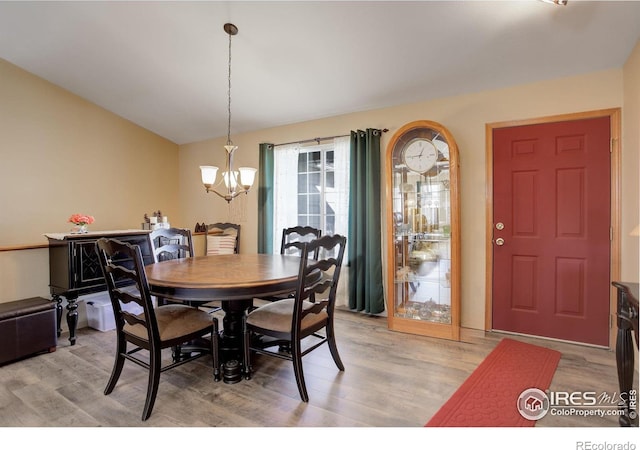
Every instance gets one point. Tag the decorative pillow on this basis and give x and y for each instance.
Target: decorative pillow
(226, 231)
(221, 245)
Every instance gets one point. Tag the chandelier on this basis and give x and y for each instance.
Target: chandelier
(235, 182)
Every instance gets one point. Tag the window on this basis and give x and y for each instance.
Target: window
(311, 187)
(315, 179)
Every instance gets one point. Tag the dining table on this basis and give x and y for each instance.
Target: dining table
(234, 280)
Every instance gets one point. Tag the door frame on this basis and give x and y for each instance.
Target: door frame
(615, 126)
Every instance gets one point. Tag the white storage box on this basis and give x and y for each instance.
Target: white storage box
(100, 313)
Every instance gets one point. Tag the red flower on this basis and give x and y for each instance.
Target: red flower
(81, 219)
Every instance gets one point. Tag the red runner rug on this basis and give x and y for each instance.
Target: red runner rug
(489, 397)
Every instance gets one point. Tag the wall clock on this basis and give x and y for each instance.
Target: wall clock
(420, 155)
(422, 147)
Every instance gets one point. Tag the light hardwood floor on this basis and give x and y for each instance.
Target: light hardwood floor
(391, 380)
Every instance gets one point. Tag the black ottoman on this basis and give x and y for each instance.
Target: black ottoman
(27, 327)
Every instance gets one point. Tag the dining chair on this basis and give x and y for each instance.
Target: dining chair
(153, 330)
(168, 244)
(308, 316)
(222, 238)
(171, 243)
(293, 236)
(291, 244)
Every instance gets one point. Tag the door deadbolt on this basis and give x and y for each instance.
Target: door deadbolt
(500, 241)
(499, 226)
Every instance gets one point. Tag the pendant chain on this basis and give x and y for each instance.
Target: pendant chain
(229, 98)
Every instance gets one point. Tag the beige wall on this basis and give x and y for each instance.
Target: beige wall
(465, 116)
(63, 155)
(630, 270)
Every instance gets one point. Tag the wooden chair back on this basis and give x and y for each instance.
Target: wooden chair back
(218, 238)
(171, 243)
(122, 261)
(318, 277)
(294, 237)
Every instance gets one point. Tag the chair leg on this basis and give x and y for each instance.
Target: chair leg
(333, 348)
(154, 381)
(117, 365)
(285, 347)
(176, 353)
(215, 351)
(246, 342)
(297, 369)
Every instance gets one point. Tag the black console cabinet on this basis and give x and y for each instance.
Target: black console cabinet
(627, 313)
(74, 268)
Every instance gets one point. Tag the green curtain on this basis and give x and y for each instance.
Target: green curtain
(265, 199)
(365, 243)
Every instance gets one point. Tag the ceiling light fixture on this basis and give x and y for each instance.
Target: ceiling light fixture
(236, 181)
(557, 2)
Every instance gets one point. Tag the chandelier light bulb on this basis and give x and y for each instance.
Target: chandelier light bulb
(247, 176)
(208, 176)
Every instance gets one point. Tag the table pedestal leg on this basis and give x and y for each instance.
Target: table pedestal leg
(231, 339)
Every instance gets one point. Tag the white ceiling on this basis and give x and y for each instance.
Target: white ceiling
(163, 65)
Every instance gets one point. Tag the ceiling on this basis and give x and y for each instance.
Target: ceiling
(163, 65)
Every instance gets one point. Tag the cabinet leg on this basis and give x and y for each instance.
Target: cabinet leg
(58, 300)
(625, 363)
(72, 318)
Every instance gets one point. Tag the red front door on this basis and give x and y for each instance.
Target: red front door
(551, 221)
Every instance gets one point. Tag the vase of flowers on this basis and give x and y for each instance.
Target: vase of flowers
(81, 222)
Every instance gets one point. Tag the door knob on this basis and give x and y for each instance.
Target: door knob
(500, 241)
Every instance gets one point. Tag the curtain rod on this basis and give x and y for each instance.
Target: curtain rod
(318, 139)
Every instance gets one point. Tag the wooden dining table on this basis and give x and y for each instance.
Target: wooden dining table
(234, 280)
